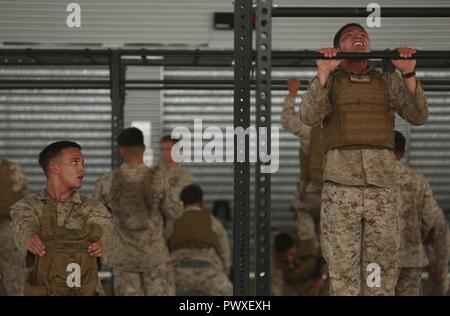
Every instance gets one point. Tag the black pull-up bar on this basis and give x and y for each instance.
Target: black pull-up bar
(338, 12)
(173, 84)
(387, 54)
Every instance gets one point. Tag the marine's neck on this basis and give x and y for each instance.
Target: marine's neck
(170, 164)
(58, 192)
(356, 66)
(134, 161)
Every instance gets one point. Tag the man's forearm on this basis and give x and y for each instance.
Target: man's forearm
(411, 84)
(290, 120)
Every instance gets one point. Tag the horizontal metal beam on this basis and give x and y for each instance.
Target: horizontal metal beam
(122, 52)
(349, 12)
(201, 58)
(172, 84)
(188, 87)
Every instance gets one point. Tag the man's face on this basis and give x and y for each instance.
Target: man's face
(289, 255)
(70, 168)
(354, 40)
(166, 151)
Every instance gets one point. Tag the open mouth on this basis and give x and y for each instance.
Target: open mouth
(80, 177)
(358, 44)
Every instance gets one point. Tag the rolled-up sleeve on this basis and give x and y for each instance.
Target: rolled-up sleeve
(412, 108)
(315, 104)
(25, 223)
(98, 214)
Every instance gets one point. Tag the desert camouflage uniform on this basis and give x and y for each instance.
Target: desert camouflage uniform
(71, 214)
(358, 213)
(139, 255)
(417, 214)
(307, 196)
(204, 271)
(308, 264)
(179, 176)
(12, 264)
(437, 249)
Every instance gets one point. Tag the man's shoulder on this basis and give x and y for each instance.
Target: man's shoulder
(414, 173)
(106, 176)
(29, 202)
(156, 170)
(10, 164)
(215, 222)
(411, 177)
(155, 175)
(13, 167)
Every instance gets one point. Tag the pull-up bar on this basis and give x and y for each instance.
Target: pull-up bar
(387, 54)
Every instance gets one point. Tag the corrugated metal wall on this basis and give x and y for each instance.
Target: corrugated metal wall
(144, 107)
(31, 119)
(117, 22)
(430, 146)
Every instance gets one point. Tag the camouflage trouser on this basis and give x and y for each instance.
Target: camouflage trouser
(305, 226)
(359, 235)
(409, 282)
(12, 263)
(309, 201)
(431, 288)
(156, 282)
(202, 281)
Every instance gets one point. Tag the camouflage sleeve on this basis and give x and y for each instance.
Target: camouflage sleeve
(315, 105)
(99, 191)
(184, 180)
(412, 108)
(25, 223)
(19, 179)
(305, 226)
(276, 277)
(429, 207)
(440, 242)
(224, 244)
(290, 119)
(98, 214)
(170, 204)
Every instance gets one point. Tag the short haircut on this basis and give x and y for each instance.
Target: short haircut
(191, 194)
(338, 35)
(168, 138)
(283, 242)
(400, 142)
(53, 150)
(131, 137)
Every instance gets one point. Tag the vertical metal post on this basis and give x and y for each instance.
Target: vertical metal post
(263, 126)
(117, 103)
(241, 213)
